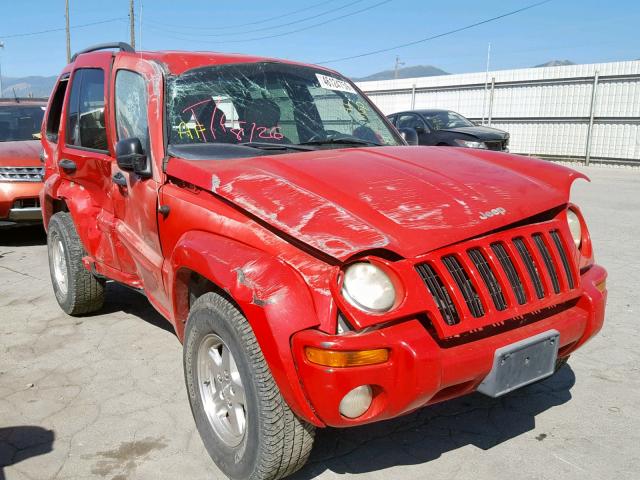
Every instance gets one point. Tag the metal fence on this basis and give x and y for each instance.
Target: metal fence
(577, 112)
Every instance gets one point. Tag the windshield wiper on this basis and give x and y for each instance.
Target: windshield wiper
(341, 141)
(275, 146)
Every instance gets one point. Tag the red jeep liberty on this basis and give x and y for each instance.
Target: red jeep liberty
(318, 271)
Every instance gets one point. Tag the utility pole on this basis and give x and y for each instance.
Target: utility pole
(486, 82)
(132, 23)
(2, 47)
(398, 64)
(66, 15)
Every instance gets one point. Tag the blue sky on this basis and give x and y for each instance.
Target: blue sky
(584, 31)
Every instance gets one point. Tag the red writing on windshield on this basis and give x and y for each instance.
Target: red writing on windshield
(194, 129)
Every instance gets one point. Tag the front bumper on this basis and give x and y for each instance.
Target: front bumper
(420, 371)
(12, 195)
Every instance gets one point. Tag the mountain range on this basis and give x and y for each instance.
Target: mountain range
(33, 86)
(556, 63)
(406, 72)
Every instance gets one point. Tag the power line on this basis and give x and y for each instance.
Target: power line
(433, 37)
(307, 27)
(226, 27)
(41, 32)
(262, 29)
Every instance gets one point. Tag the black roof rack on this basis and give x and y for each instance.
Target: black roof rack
(122, 46)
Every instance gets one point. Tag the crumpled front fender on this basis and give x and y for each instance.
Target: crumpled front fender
(272, 296)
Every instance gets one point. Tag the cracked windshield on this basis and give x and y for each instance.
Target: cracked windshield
(271, 106)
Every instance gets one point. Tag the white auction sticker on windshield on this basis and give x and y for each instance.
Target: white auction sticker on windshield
(331, 83)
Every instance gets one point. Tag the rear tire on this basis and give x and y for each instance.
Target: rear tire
(76, 289)
(270, 442)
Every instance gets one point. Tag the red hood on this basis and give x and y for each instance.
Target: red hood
(20, 154)
(409, 200)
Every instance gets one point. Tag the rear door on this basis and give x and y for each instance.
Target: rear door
(137, 113)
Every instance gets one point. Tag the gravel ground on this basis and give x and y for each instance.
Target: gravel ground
(103, 396)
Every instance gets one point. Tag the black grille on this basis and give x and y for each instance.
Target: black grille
(439, 293)
(530, 265)
(510, 270)
(563, 257)
(489, 278)
(27, 203)
(503, 274)
(497, 146)
(546, 258)
(464, 284)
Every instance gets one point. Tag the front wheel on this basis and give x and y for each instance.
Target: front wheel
(245, 424)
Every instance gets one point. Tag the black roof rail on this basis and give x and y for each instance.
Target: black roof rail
(122, 46)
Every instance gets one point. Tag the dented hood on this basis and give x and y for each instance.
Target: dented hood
(409, 200)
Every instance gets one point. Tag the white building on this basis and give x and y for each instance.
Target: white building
(570, 112)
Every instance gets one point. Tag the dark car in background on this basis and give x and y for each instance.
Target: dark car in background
(445, 127)
(21, 170)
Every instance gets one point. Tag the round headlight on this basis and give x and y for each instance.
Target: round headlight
(368, 288)
(574, 227)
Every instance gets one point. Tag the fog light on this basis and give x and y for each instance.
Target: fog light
(356, 402)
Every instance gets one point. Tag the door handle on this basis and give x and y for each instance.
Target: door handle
(68, 166)
(119, 179)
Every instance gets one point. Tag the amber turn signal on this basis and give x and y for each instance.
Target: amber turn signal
(335, 358)
(602, 286)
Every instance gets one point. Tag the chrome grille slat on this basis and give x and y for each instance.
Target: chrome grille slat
(21, 174)
(563, 257)
(530, 265)
(489, 278)
(546, 258)
(463, 281)
(439, 292)
(510, 270)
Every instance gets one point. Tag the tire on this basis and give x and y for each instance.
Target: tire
(274, 442)
(561, 362)
(76, 289)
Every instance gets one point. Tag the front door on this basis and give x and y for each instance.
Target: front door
(411, 120)
(134, 85)
(84, 158)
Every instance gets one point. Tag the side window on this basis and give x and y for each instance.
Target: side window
(86, 127)
(73, 134)
(55, 111)
(131, 107)
(409, 121)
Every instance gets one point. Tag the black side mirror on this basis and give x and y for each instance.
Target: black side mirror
(420, 129)
(410, 135)
(131, 157)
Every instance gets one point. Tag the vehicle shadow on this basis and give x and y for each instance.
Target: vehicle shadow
(123, 299)
(23, 236)
(427, 434)
(22, 442)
